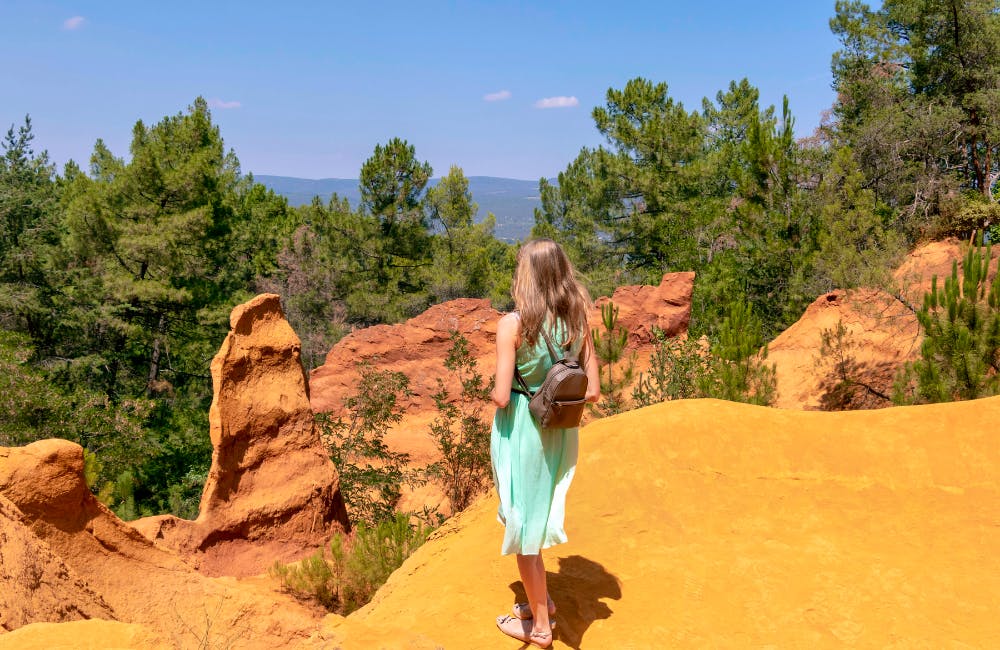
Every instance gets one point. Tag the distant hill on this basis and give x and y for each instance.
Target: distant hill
(512, 201)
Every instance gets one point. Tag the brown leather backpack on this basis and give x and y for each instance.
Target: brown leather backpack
(558, 403)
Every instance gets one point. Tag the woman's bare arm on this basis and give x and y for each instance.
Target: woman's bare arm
(507, 333)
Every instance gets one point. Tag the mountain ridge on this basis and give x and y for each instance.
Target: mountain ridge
(512, 201)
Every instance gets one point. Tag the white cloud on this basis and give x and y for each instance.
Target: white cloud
(497, 97)
(557, 102)
(76, 22)
(218, 103)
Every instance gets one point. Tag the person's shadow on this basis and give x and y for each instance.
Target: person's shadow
(577, 589)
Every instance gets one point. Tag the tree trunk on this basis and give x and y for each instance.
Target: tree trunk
(154, 362)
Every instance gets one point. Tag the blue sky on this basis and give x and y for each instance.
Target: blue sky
(308, 89)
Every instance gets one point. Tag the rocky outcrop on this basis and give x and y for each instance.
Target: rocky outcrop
(880, 334)
(416, 348)
(642, 308)
(272, 492)
(104, 568)
(36, 584)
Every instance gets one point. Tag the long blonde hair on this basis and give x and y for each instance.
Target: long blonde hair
(546, 288)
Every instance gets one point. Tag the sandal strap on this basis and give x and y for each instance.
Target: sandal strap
(523, 610)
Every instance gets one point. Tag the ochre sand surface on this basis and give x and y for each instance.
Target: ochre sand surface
(692, 524)
(710, 524)
(94, 634)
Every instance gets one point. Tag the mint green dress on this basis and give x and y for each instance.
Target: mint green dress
(532, 467)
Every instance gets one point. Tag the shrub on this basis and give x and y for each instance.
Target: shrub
(674, 368)
(371, 475)
(460, 432)
(347, 577)
(312, 578)
(372, 556)
(734, 369)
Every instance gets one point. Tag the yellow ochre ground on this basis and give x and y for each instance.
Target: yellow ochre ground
(692, 524)
(702, 523)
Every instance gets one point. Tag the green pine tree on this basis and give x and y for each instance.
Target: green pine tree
(739, 371)
(609, 346)
(960, 355)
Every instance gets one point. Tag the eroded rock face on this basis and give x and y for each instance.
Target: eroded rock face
(417, 348)
(641, 308)
(65, 557)
(44, 480)
(36, 584)
(880, 335)
(272, 492)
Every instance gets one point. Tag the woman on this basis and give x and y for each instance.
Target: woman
(533, 467)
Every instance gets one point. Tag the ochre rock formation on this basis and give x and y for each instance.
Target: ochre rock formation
(105, 569)
(418, 347)
(695, 523)
(36, 584)
(703, 523)
(272, 492)
(641, 308)
(881, 334)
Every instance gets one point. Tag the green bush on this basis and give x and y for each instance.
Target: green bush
(674, 368)
(371, 475)
(460, 431)
(347, 577)
(734, 369)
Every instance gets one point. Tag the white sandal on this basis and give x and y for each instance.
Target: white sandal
(521, 630)
(523, 611)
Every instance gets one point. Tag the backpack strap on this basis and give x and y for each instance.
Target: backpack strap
(552, 350)
(523, 388)
(522, 385)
